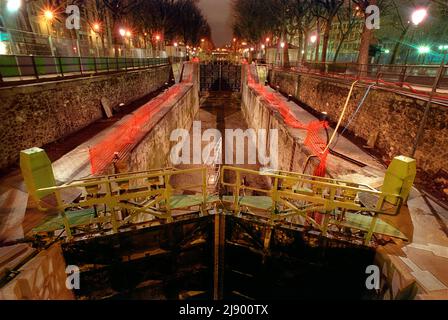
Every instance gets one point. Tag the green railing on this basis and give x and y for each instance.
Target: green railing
(21, 68)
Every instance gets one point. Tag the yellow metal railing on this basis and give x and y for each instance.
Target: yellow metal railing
(136, 193)
(123, 199)
(302, 195)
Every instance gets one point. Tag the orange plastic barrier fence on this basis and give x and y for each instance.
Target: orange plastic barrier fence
(128, 133)
(313, 141)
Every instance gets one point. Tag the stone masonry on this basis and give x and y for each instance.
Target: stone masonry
(388, 119)
(38, 114)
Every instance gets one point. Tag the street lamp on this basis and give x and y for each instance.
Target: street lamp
(423, 49)
(49, 15)
(313, 38)
(122, 32)
(96, 27)
(418, 16)
(13, 5)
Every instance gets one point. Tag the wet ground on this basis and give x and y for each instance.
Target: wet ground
(222, 111)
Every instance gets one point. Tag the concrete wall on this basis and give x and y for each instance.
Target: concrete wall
(394, 118)
(38, 114)
(42, 278)
(153, 152)
(259, 115)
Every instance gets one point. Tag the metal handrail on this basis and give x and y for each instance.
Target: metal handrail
(21, 68)
(400, 75)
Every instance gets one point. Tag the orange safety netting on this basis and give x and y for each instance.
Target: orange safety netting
(313, 141)
(127, 133)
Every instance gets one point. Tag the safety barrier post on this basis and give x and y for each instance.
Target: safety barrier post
(111, 204)
(80, 65)
(236, 196)
(61, 70)
(36, 72)
(168, 216)
(204, 190)
(329, 207)
(275, 199)
(403, 75)
(378, 74)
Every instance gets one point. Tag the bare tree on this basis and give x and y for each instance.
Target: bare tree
(326, 11)
(350, 16)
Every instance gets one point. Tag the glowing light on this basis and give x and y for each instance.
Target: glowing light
(122, 32)
(96, 26)
(157, 37)
(3, 48)
(263, 46)
(444, 47)
(267, 39)
(252, 49)
(282, 45)
(313, 38)
(13, 5)
(176, 44)
(128, 33)
(234, 39)
(202, 40)
(387, 51)
(423, 49)
(418, 16)
(48, 14)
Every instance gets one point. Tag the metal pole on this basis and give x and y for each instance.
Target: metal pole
(50, 41)
(421, 129)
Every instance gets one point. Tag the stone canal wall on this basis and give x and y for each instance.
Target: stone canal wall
(259, 115)
(38, 114)
(153, 152)
(388, 119)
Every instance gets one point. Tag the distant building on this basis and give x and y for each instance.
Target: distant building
(38, 29)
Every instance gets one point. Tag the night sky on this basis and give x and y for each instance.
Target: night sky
(218, 13)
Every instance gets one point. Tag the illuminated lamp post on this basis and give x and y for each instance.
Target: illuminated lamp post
(176, 45)
(12, 6)
(158, 38)
(96, 28)
(122, 33)
(417, 17)
(49, 16)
